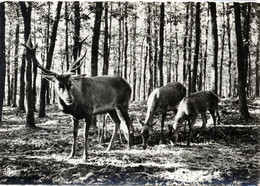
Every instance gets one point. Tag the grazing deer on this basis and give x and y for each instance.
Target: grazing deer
(161, 100)
(82, 97)
(189, 109)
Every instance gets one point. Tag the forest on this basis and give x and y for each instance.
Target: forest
(204, 46)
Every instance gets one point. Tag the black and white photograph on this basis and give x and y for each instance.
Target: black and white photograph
(129, 93)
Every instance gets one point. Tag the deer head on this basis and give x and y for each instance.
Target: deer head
(63, 82)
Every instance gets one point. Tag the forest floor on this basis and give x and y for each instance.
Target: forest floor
(38, 156)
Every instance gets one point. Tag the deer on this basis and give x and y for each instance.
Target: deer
(189, 109)
(82, 97)
(161, 100)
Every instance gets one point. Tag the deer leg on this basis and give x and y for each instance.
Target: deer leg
(126, 126)
(99, 130)
(212, 112)
(204, 122)
(85, 137)
(116, 121)
(162, 125)
(190, 123)
(130, 128)
(75, 123)
(103, 127)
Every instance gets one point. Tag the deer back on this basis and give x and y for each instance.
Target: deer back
(96, 95)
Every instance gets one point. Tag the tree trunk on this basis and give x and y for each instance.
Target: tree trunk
(149, 43)
(2, 57)
(197, 49)
(222, 52)
(206, 53)
(177, 55)
(240, 64)
(160, 63)
(155, 49)
(44, 83)
(184, 75)
(95, 39)
(106, 52)
(22, 84)
(190, 49)
(8, 72)
(126, 41)
(229, 52)
(169, 61)
(257, 80)
(214, 64)
(134, 58)
(76, 47)
(246, 29)
(144, 72)
(30, 105)
(66, 36)
(16, 65)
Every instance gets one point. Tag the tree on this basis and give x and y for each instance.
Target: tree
(126, 41)
(106, 50)
(30, 100)
(76, 47)
(214, 31)
(2, 56)
(16, 64)
(229, 51)
(44, 83)
(241, 58)
(160, 63)
(222, 51)
(196, 56)
(184, 76)
(257, 64)
(95, 39)
(149, 49)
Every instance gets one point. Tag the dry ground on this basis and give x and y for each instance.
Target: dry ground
(38, 156)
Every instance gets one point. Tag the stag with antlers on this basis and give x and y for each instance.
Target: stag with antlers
(82, 97)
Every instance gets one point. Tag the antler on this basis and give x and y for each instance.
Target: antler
(75, 65)
(31, 52)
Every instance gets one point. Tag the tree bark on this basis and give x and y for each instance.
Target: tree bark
(76, 47)
(16, 65)
(160, 63)
(197, 47)
(2, 57)
(155, 81)
(126, 41)
(190, 49)
(134, 58)
(240, 64)
(149, 43)
(229, 52)
(95, 39)
(222, 52)
(257, 80)
(184, 75)
(67, 36)
(106, 50)
(30, 104)
(214, 64)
